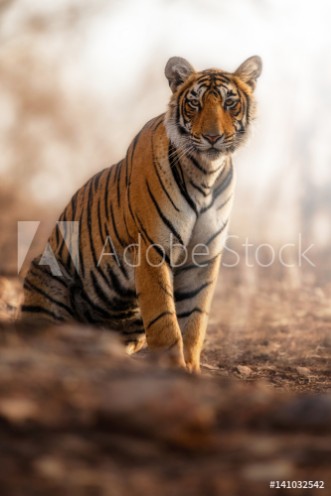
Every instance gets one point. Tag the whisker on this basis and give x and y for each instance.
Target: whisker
(179, 152)
(183, 152)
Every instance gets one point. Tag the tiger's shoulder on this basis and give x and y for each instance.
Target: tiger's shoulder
(151, 140)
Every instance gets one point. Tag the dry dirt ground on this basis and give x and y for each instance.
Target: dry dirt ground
(78, 417)
(270, 331)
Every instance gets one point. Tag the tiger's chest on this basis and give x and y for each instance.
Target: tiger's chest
(214, 211)
(210, 230)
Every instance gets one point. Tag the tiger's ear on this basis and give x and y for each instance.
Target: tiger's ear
(177, 71)
(250, 70)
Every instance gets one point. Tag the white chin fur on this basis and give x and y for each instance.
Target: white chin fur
(181, 142)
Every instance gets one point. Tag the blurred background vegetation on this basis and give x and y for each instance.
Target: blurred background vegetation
(78, 79)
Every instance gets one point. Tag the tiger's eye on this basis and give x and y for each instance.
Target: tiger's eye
(194, 101)
(230, 103)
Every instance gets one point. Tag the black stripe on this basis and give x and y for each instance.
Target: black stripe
(173, 160)
(187, 267)
(156, 247)
(38, 309)
(98, 289)
(106, 205)
(126, 228)
(181, 296)
(217, 233)
(198, 165)
(101, 235)
(120, 265)
(194, 266)
(160, 316)
(133, 323)
(180, 100)
(245, 101)
(63, 231)
(182, 107)
(198, 188)
(235, 113)
(163, 217)
(30, 286)
(78, 287)
(204, 78)
(205, 87)
(57, 235)
(162, 185)
(91, 242)
(89, 225)
(122, 304)
(118, 183)
(126, 164)
(248, 108)
(135, 331)
(134, 144)
(130, 207)
(113, 311)
(80, 239)
(81, 258)
(222, 78)
(214, 92)
(220, 188)
(47, 272)
(158, 121)
(133, 148)
(119, 239)
(224, 203)
(69, 262)
(118, 287)
(165, 290)
(202, 169)
(182, 315)
(89, 318)
(96, 180)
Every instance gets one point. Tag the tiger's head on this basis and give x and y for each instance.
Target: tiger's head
(210, 111)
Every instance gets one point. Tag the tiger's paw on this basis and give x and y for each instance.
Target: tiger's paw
(193, 367)
(176, 361)
(175, 356)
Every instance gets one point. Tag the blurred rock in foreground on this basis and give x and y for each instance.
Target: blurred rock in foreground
(79, 417)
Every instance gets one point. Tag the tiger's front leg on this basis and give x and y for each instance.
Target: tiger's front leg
(154, 286)
(194, 292)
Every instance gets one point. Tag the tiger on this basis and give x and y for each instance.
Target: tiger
(138, 248)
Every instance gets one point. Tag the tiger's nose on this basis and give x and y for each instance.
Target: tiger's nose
(212, 138)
